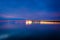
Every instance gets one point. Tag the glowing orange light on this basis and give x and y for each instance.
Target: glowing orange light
(28, 22)
(44, 22)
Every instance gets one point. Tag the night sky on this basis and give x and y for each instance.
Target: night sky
(30, 9)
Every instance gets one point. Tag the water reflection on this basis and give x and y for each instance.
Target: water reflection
(17, 29)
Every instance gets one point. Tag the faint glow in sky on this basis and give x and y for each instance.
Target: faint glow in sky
(9, 16)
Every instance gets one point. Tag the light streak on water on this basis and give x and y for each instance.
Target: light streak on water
(4, 36)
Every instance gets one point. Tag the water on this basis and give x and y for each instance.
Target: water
(21, 31)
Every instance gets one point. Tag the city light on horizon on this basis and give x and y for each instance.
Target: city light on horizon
(44, 22)
(29, 22)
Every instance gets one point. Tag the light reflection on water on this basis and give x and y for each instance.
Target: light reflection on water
(23, 30)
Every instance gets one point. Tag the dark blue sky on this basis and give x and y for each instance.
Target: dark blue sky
(30, 9)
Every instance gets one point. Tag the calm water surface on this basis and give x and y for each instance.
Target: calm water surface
(21, 31)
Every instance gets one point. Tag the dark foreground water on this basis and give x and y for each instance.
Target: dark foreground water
(21, 31)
